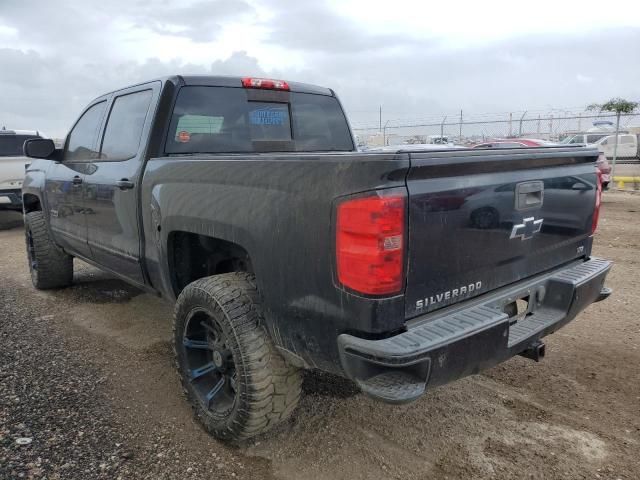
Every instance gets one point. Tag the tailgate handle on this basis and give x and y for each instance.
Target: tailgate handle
(529, 195)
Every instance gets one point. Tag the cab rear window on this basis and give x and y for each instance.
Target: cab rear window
(228, 120)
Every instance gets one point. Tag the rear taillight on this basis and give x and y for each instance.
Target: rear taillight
(370, 243)
(264, 83)
(596, 211)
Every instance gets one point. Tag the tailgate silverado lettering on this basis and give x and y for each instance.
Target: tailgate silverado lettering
(449, 294)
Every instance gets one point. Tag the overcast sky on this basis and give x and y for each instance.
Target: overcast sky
(415, 58)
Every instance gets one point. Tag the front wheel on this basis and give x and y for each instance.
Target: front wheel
(49, 266)
(236, 381)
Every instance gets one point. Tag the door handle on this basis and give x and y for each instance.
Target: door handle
(125, 184)
(529, 195)
(77, 180)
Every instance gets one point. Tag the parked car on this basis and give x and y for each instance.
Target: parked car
(438, 140)
(245, 202)
(627, 146)
(585, 138)
(514, 143)
(414, 147)
(12, 166)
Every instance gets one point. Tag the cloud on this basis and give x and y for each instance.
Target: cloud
(200, 21)
(59, 57)
(314, 27)
(584, 78)
(521, 73)
(47, 94)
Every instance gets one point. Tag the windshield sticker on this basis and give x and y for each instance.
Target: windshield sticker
(268, 116)
(184, 136)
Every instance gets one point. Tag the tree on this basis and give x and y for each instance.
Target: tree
(619, 106)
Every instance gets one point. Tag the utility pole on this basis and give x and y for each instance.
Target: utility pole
(442, 128)
(510, 124)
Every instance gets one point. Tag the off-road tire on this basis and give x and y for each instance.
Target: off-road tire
(267, 388)
(50, 267)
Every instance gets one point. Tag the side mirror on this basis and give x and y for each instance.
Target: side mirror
(39, 148)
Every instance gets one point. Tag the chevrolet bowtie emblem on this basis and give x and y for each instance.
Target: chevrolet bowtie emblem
(526, 229)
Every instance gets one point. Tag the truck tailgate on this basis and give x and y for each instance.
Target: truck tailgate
(480, 220)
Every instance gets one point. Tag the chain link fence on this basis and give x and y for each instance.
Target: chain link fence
(468, 130)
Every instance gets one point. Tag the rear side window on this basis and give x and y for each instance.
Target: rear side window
(82, 139)
(226, 120)
(124, 127)
(11, 145)
(626, 139)
(594, 138)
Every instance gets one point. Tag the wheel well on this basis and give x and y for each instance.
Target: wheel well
(193, 256)
(31, 203)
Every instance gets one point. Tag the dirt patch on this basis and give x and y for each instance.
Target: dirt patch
(574, 415)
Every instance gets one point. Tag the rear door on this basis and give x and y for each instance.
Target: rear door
(628, 146)
(64, 184)
(479, 220)
(113, 183)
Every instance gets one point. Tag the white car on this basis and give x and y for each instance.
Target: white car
(12, 166)
(627, 146)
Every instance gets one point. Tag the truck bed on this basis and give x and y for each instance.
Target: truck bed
(282, 206)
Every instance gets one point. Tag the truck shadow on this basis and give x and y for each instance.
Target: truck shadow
(10, 220)
(91, 285)
(324, 384)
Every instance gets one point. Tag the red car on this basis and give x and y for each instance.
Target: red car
(515, 143)
(605, 170)
(602, 162)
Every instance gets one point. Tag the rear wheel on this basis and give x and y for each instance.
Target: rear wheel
(50, 267)
(236, 381)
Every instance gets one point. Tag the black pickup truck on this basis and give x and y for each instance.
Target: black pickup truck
(245, 202)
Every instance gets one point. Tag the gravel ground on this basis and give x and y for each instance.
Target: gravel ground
(88, 390)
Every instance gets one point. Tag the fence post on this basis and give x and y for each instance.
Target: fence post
(460, 131)
(615, 145)
(550, 126)
(521, 118)
(538, 129)
(510, 126)
(384, 133)
(442, 128)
